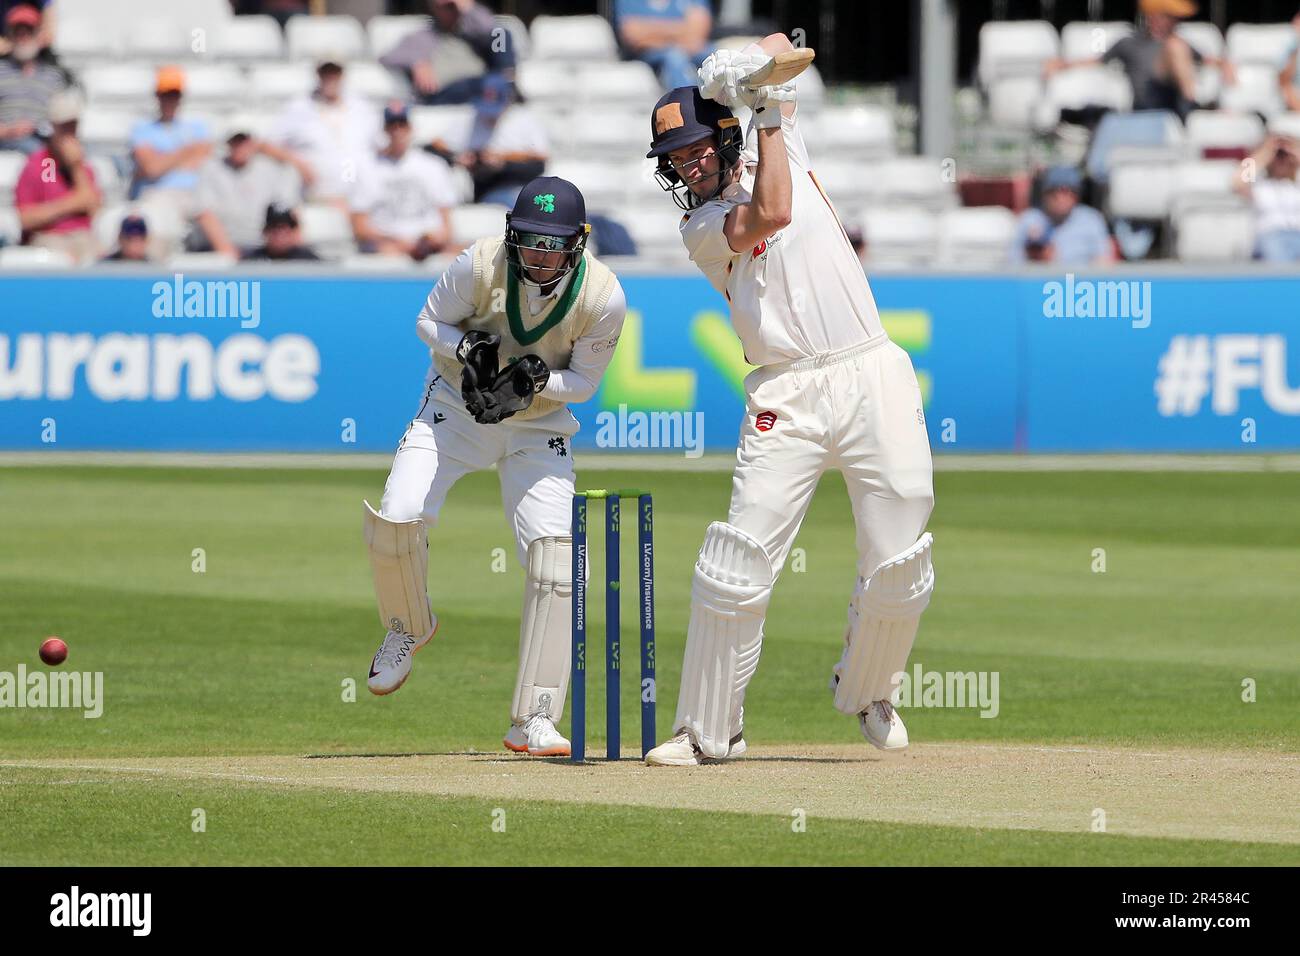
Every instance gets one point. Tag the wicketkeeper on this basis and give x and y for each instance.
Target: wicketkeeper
(831, 392)
(519, 327)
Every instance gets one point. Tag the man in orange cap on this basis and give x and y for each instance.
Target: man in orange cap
(1160, 64)
(168, 151)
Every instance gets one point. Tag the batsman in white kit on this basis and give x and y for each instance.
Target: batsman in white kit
(831, 391)
(519, 327)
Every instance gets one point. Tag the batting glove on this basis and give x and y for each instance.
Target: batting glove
(721, 72)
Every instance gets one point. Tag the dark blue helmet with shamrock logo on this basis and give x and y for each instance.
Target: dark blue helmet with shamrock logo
(549, 215)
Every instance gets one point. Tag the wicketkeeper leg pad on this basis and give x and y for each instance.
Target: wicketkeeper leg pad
(399, 559)
(729, 597)
(545, 643)
(883, 619)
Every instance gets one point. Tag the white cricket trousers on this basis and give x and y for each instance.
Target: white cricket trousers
(858, 411)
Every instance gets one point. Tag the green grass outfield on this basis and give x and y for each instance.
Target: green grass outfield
(251, 656)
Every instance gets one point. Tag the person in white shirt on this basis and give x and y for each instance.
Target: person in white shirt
(326, 136)
(831, 392)
(1276, 198)
(402, 202)
(505, 368)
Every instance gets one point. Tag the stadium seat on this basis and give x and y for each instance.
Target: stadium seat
(201, 262)
(899, 237)
(273, 84)
(258, 123)
(861, 132)
(546, 82)
(451, 123)
(632, 83)
(11, 229)
(850, 185)
(384, 32)
(106, 130)
(122, 85)
(253, 37)
(34, 257)
(477, 221)
(811, 90)
(976, 237)
(643, 190)
(1203, 37)
(214, 86)
(1201, 182)
(655, 231)
(573, 39)
(615, 134)
(1082, 87)
(1085, 40)
(1146, 128)
(603, 185)
(161, 40)
(1140, 185)
(918, 179)
(327, 229)
(1256, 91)
(1015, 48)
(359, 262)
(79, 40)
(1262, 44)
(1221, 129)
(1216, 233)
(11, 166)
(1285, 124)
(335, 35)
(1014, 101)
(370, 81)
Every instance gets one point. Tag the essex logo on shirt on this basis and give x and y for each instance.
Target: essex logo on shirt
(759, 250)
(765, 421)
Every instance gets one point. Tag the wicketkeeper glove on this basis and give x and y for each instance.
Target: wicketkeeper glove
(511, 391)
(477, 351)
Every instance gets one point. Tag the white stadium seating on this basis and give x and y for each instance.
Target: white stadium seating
(632, 83)
(477, 221)
(900, 236)
(1208, 129)
(861, 132)
(1259, 43)
(11, 165)
(164, 39)
(1082, 87)
(1256, 91)
(975, 236)
(335, 36)
(385, 32)
(450, 123)
(34, 257)
(1014, 101)
(107, 130)
(1204, 38)
(214, 86)
(276, 83)
(1016, 48)
(249, 38)
(10, 227)
(1285, 124)
(573, 39)
(1216, 233)
(200, 262)
(327, 229)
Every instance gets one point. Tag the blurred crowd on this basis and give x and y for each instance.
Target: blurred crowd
(240, 194)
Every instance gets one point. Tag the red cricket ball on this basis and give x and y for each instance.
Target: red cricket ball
(54, 651)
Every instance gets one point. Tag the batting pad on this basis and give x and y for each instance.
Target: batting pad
(883, 618)
(545, 643)
(399, 558)
(729, 595)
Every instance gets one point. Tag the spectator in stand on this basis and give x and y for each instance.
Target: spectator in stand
(235, 190)
(1276, 198)
(56, 194)
(169, 150)
(503, 149)
(325, 136)
(670, 35)
(132, 241)
(1289, 78)
(402, 204)
(26, 81)
(1160, 64)
(473, 23)
(44, 33)
(1063, 231)
(282, 239)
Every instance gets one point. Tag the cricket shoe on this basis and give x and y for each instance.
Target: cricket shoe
(538, 737)
(880, 722)
(682, 751)
(392, 663)
(882, 726)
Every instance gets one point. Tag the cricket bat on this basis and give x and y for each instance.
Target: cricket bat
(780, 69)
